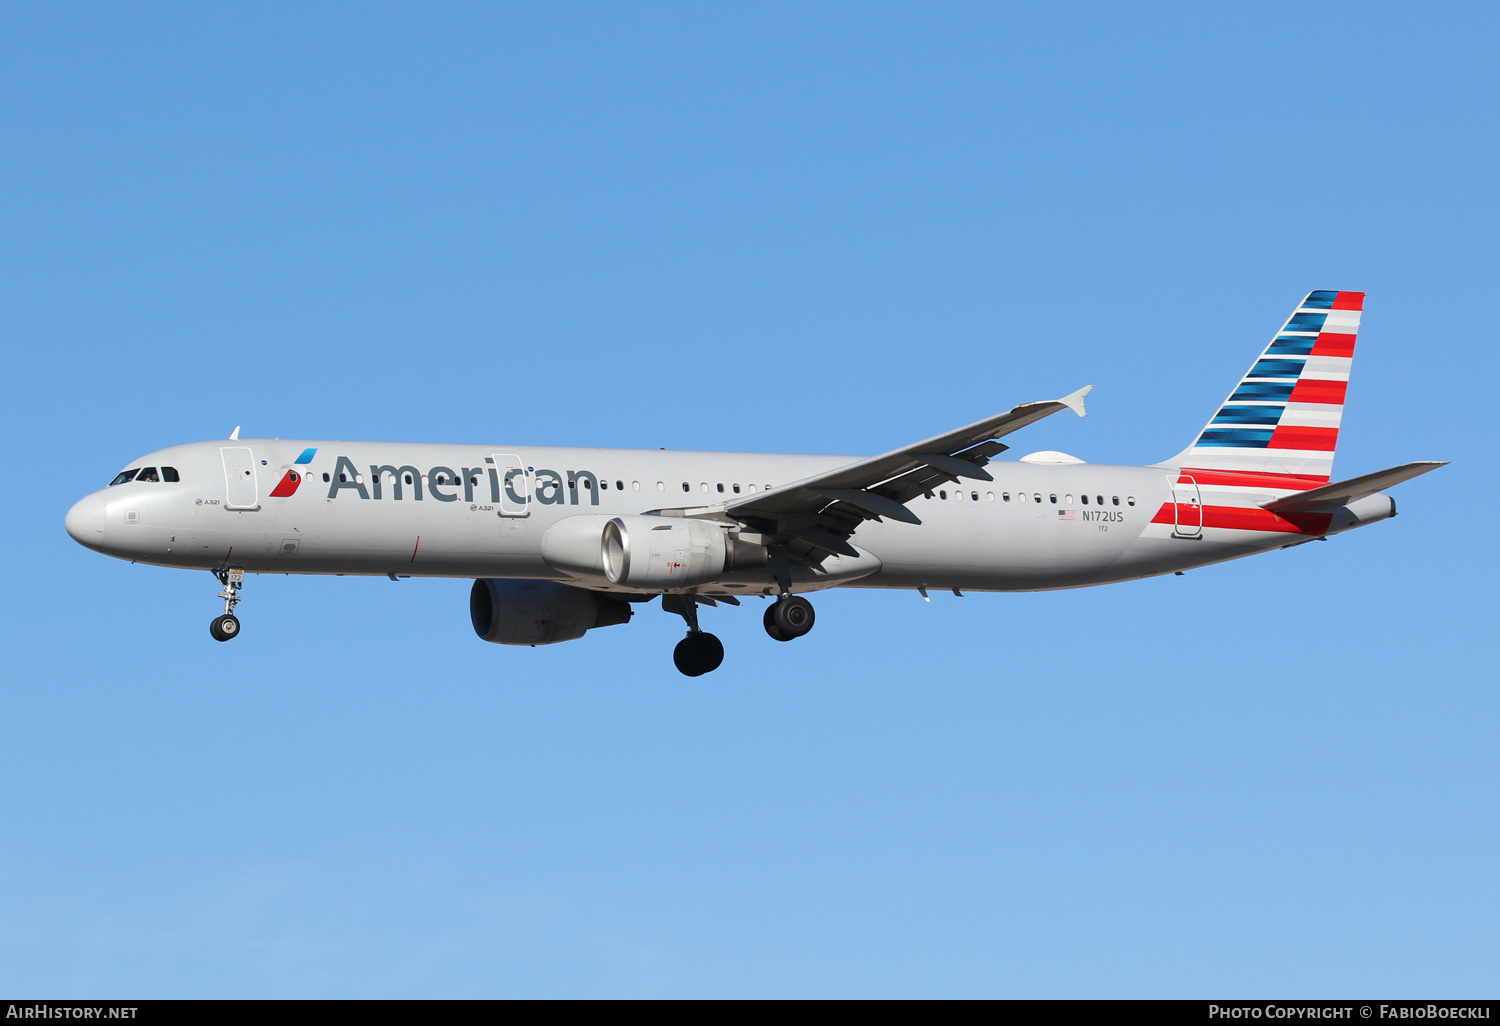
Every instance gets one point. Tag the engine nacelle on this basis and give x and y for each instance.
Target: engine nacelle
(539, 612)
(646, 553)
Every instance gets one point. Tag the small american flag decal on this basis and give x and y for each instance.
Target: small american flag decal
(1067, 514)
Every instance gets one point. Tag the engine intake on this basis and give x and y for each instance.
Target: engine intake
(661, 553)
(647, 553)
(539, 612)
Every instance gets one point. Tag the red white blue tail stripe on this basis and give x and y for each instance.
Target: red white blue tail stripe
(1279, 428)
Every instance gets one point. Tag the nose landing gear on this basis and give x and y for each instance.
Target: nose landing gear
(790, 616)
(227, 625)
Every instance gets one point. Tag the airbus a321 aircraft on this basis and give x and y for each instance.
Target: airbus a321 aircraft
(561, 541)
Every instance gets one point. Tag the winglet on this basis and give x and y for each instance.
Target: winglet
(234, 435)
(1074, 401)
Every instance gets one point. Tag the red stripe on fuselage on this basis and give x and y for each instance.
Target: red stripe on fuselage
(1244, 518)
(1333, 344)
(1316, 390)
(1255, 479)
(1315, 439)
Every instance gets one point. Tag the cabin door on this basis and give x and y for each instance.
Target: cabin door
(240, 487)
(1189, 506)
(515, 484)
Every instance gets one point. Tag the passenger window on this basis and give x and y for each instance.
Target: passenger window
(169, 474)
(343, 477)
(1100, 499)
(325, 477)
(990, 496)
(124, 475)
(767, 488)
(1130, 500)
(149, 474)
(736, 489)
(721, 487)
(1053, 497)
(752, 489)
(1085, 499)
(703, 486)
(942, 495)
(661, 486)
(958, 496)
(635, 485)
(1021, 496)
(685, 487)
(1068, 499)
(604, 485)
(408, 478)
(620, 486)
(975, 496)
(1005, 496)
(1115, 499)
(1036, 497)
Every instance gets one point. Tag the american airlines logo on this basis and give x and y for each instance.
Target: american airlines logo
(287, 486)
(473, 485)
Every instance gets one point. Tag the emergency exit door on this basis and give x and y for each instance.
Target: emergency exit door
(515, 484)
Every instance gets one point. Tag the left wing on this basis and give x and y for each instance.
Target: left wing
(815, 516)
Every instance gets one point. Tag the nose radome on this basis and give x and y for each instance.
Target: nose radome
(85, 521)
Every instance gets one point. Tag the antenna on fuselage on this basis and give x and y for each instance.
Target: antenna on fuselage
(234, 436)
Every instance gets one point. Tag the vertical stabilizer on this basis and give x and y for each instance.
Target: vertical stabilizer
(1282, 421)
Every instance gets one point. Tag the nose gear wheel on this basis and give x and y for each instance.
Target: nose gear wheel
(226, 625)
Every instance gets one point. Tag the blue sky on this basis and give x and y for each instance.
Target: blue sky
(804, 228)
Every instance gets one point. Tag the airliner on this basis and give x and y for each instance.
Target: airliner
(560, 541)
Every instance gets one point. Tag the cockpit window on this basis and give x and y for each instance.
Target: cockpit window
(169, 474)
(149, 474)
(124, 475)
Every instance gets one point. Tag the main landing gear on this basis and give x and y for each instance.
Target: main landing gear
(700, 652)
(227, 625)
(790, 616)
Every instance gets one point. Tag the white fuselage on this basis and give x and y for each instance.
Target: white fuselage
(1062, 525)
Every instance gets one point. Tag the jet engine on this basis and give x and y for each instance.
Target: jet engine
(658, 553)
(648, 553)
(539, 612)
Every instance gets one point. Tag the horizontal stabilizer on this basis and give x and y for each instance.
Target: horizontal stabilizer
(1341, 493)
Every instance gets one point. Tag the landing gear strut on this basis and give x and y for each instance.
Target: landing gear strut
(699, 652)
(227, 625)
(790, 616)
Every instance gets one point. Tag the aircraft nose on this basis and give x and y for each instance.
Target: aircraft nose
(85, 521)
